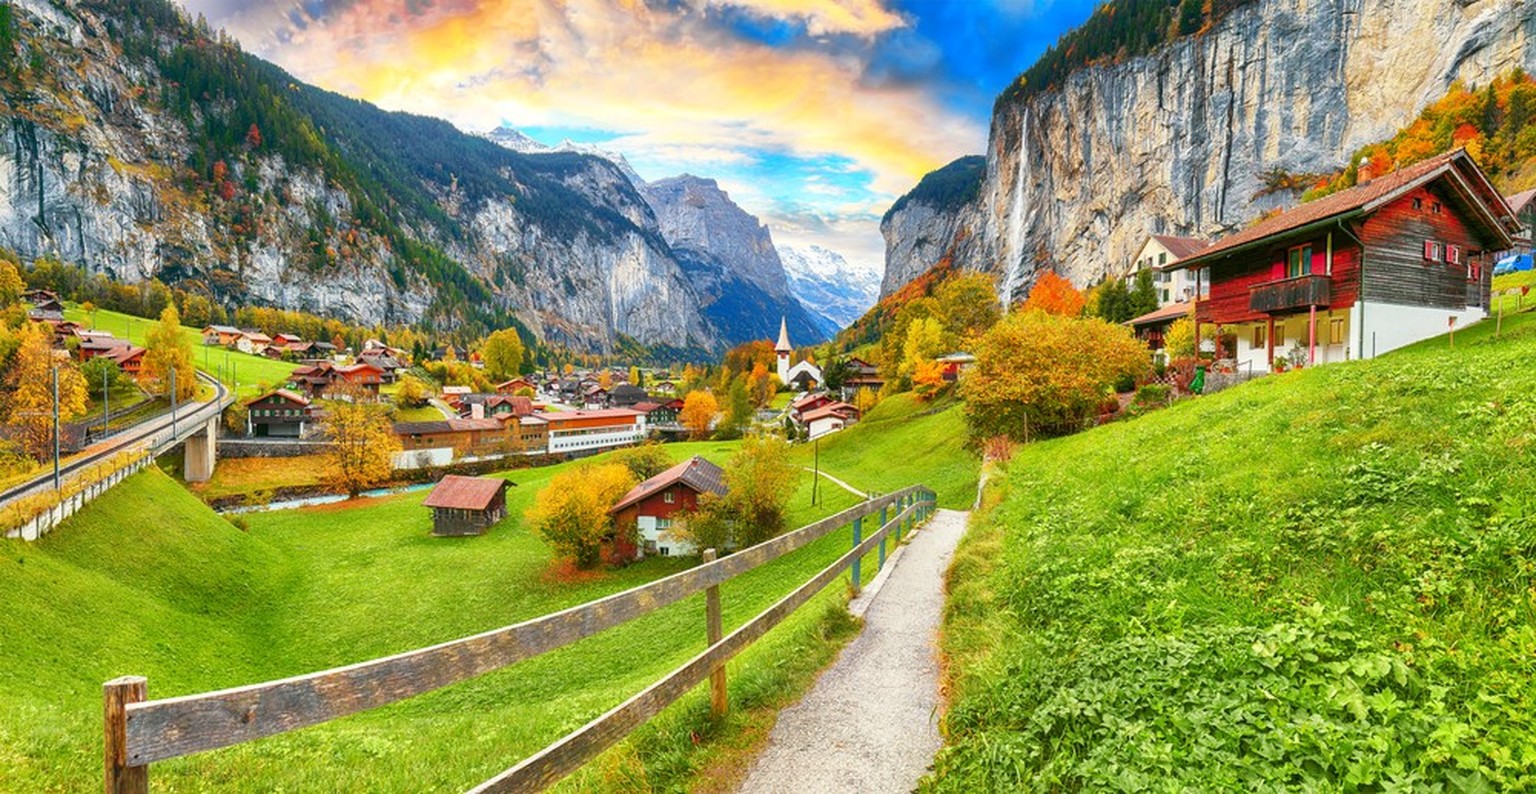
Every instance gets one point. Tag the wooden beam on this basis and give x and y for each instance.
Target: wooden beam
(719, 695)
(161, 729)
(554, 762)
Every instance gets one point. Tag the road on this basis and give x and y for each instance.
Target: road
(156, 432)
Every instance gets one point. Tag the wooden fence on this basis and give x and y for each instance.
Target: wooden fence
(140, 732)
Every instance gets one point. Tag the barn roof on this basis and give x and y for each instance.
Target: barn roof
(1181, 247)
(839, 409)
(1172, 311)
(465, 493)
(696, 473)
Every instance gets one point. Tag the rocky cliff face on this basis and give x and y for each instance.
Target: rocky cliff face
(730, 260)
(1178, 142)
(108, 161)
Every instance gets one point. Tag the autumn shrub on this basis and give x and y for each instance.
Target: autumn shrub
(759, 480)
(1038, 373)
(643, 461)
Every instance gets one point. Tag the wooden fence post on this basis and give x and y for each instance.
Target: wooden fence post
(719, 701)
(116, 695)
(858, 537)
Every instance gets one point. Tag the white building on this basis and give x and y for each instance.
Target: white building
(1172, 285)
(805, 370)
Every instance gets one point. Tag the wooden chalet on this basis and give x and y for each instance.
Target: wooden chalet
(861, 375)
(463, 436)
(480, 406)
(362, 375)
(829, 418)
(98, 343)
(252, 341)
(388, 365)
(659, 413)
(129, 359)
(653, 505)
(467, 505)
(48, 309)
(810, 402)
(625, 395)
(1396, 259)
(514, 386)
(36, 296)
(314, 378)
(221, 335)
(279, 414)
(1152, 326)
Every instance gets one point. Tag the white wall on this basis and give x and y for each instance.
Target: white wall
(423, 458)
(825, 425)
(665, 543)
(559, 441)
(1389, 326)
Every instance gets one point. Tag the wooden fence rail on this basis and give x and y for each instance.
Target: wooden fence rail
(139, 732)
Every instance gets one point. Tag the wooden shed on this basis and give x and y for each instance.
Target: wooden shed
(467, 505)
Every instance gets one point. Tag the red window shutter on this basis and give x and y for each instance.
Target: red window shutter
(1429, 250)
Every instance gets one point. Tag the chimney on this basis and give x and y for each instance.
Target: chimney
(1364, 173)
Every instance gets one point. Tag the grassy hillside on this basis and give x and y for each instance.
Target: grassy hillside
(248, 370)
(148, 581)
(904, 441)
(1321, 580)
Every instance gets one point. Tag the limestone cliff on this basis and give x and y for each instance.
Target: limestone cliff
(1179, 141)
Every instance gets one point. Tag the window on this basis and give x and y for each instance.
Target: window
(1300, 262)
(1436, 208)
(1279, 335)
(1258, 337)
(1433, 252)
(1336, 331)
(1418, 203)
(1452, 254)
(1162, 259)
(669, 497)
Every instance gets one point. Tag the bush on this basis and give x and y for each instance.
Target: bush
(1153, 395)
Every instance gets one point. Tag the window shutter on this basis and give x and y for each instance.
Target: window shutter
(1429, 250)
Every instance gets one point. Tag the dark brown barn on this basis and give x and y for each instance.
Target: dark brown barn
(467, 505)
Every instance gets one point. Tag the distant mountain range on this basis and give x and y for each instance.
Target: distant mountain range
(141, 144)
(835, 292)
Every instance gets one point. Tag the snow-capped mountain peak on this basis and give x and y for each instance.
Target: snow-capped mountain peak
(517, 141)
(827, 285)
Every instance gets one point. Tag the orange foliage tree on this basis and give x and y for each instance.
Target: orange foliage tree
(1053, 294)
(700, 409)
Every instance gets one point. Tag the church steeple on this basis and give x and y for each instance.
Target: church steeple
(783, 346)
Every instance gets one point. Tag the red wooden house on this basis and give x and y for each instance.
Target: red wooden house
(653, 505)
(362, 374)
(1394, 260)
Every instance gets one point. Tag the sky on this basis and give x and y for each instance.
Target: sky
(814, 115)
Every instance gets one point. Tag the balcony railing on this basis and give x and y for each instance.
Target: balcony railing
(1291, 293)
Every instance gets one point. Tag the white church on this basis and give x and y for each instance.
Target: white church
(803, 376)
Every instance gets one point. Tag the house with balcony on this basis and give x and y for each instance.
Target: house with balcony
(1396, 259)
(1157, 255)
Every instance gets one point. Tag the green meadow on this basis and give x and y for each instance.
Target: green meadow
(1322, 580)
(148, 581)
(247, 371)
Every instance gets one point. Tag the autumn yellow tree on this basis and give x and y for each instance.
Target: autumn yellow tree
(928, 379)
(1179, 339)
(571, 513)
(502, 353)
(1039, 373)
(11, 285)
(605, 379)
(865, 400)
(968, 305)
(761, 384)
(700, 410)
(362, 446)
(167, 350)
(1053, 294)
(412, 392)
(925, 341)
(759, 480)
(30, 381)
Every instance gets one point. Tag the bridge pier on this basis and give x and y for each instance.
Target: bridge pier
(201, 451)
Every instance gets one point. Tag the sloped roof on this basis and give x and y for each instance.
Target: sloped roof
(1518, 201)
(445, 426)
(1172, 311)
(840, 410)
(696, 473)
(283, 393)
(1355, 200)
(1181, 247)
(465, 493)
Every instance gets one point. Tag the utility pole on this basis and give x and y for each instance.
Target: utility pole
(173, 401)
(816, 475)
(106, 405)
(55, 428)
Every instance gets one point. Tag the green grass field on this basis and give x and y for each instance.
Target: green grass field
(1318, 581)
(147, 581)
(246, 370)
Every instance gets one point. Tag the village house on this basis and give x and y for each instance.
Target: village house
(453, 395)
(388, 366)
(279, 414)
(467, 505)
(36, 296)
(1396, 259)
(809, 402)
(654, 505)
(461, 436)
(626, 395)
(955, 365)
(660, 414)
(223, 335)
(828, 418)
(253, 342)
(1152, 326)
(362, 375)
(479, 406)
(861, 375)
(285, 340)
(47, 310)
(514, 386)
(595, 397)
(98, 343)
(313, 378)
(1173, 285)
(129, 359)
(664, 388)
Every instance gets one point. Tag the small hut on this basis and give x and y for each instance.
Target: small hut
(467, 505)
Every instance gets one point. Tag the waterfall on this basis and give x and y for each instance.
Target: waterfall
(1017, 222)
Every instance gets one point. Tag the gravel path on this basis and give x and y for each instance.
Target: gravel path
(871, 721)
